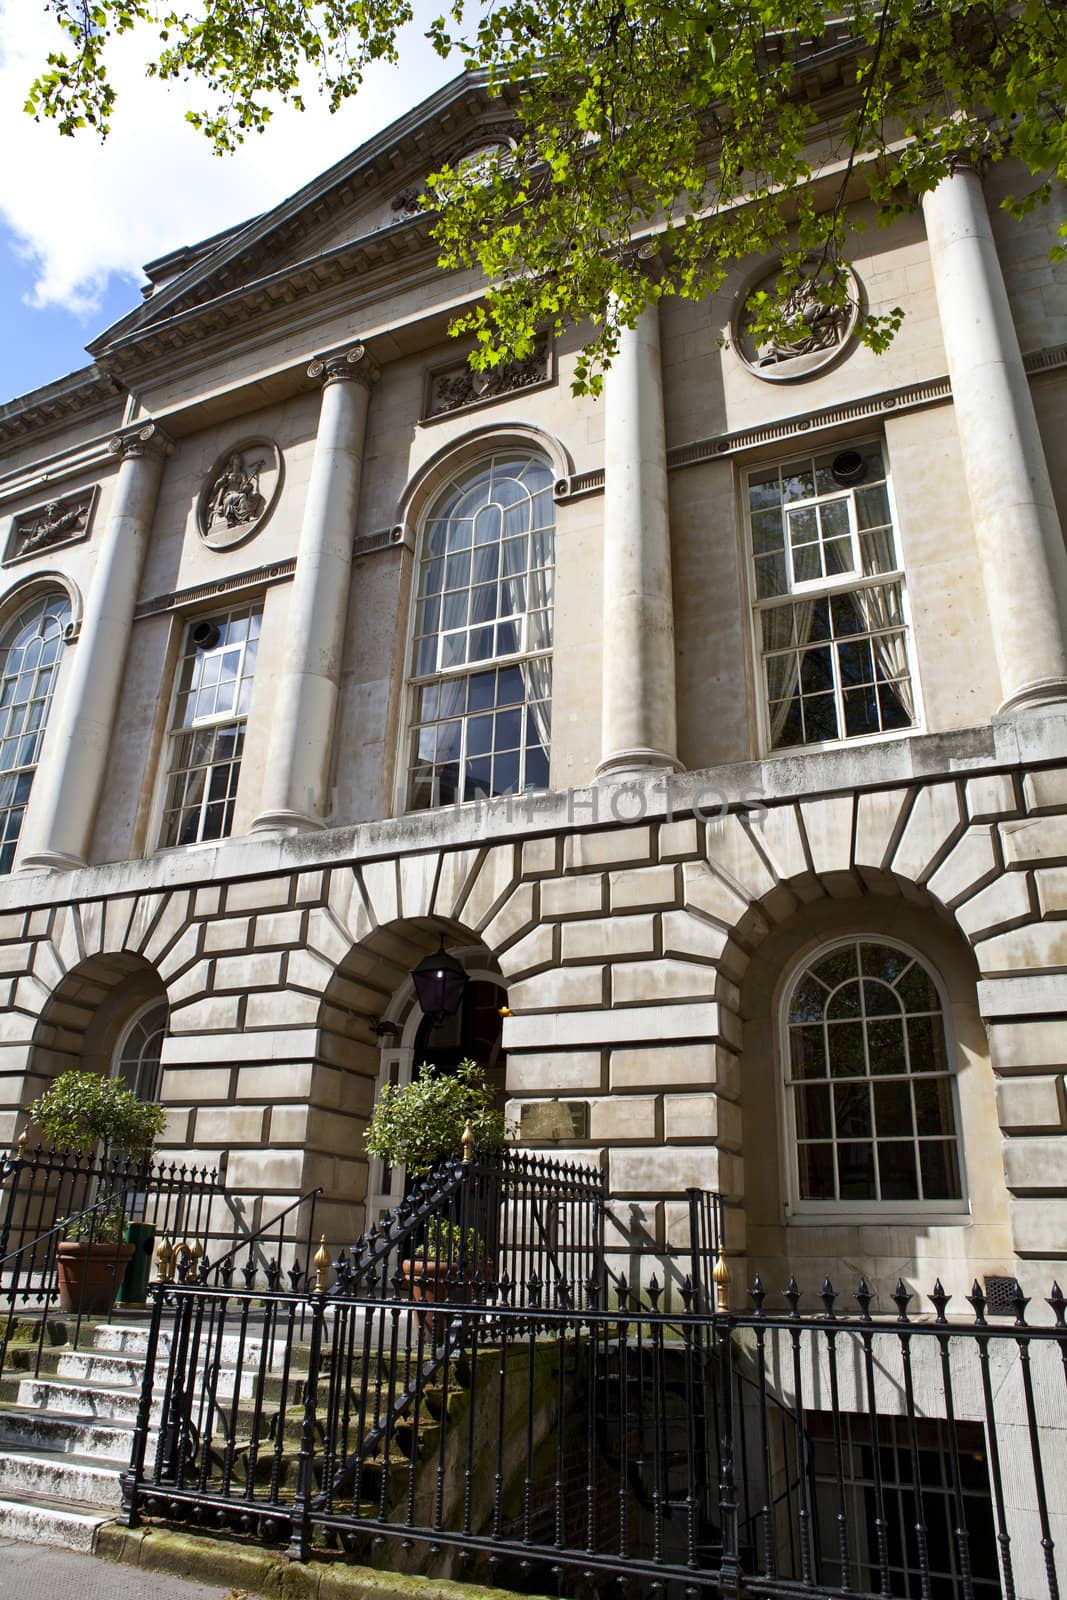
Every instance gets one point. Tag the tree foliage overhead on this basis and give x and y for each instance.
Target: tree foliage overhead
(655, 142)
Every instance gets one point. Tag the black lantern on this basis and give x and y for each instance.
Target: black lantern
(440, 983)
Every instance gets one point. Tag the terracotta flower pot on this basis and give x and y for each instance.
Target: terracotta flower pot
(90, 1274)
(430, 1286)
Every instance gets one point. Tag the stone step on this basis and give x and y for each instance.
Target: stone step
(80, 1399)
(132, 1341)
(59, 1478)
(65, 1434)
(37, 1521)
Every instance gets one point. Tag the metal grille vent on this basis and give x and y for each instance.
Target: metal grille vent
(999, 1292)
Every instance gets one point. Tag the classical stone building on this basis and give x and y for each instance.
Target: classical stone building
(717, 726)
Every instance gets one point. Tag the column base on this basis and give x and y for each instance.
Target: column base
(637, 762)
(49, 861)
(286, 821)
(1032, 696)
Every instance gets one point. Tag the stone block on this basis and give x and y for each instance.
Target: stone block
(310, 887)
(216, 1014)
(305, 969)
(257, 1170)
(778, 833)
(540, 858)
(193, 982)
(261, 970)
(990, 797)
(382, 890)
(615, 847)
(643, 888)
(278, 928)
(879, 819)
(206, 902)
(559, 1072)
(275, 1080)
(688, 936)
(189, 1085)
(623, 1116)
(603, 937)
(679, 841)
(418, 879)
(12, 926)
(492, 883)
(1031, 1102)
(258, 894)
(228, 933)
(530, 954)
(692, 1116)
(558, 989)
(453, 880)
(176, 1129)
(572, 897)
(1046, 790)
(230, 1125)
(1039, 1228)
(934, 821)
(1034, 841)
(666, 1169)
(328, 936)
(828, 830)
(1035, 947)
(631, 1025)
(632, 1224)
(281, 1008)
(1004, 903)
(635, 982)
(16, 958)
(1036, 1165)
(1025, 1046)
(1037, 994)
(731, 852)
(1051, 885)
(515, 917)
(287, 1043)
(971, 863)
(703, 890)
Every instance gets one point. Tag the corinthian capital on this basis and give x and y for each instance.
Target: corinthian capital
(354, 364)
(140, 439)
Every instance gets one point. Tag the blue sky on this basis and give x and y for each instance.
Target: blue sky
(78, 218)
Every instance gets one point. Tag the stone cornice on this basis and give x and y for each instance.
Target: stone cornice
(88, 389)
(236, 583)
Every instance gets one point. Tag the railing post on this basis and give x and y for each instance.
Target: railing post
(132, 1478)
(300, 1538)
(730, 1577)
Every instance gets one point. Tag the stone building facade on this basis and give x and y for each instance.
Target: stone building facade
(718, 726)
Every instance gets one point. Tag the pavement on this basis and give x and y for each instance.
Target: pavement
(37, 1572)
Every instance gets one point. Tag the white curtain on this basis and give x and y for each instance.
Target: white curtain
(783, 671)
(881, 608)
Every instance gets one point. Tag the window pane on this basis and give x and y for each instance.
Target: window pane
(896, 1170)
(855, 1171)
(816, 1171)
(30, 638)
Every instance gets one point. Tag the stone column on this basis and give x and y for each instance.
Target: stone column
(296, 788)
(1017, 529)
(639, 711)
(67, 788)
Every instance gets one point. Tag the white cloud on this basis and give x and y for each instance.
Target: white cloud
(81, 210)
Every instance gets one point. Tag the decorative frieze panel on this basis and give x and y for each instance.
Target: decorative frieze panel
(456, 387)
(51, 526)
(239, 493)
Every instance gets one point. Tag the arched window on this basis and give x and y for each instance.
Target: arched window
(868, 1079)
(137, 1058)
(481, 662)
(30, 647)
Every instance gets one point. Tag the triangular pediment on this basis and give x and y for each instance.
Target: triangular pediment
(369, 192)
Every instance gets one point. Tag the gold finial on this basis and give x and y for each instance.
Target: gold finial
(721, 1279)
(322, 1267)
(22, 1144)
(165, 1258)
(468, 1142)
(195, 1250)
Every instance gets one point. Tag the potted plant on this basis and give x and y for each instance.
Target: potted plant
(416, 1127)
(78, 1112)
(443, 1267)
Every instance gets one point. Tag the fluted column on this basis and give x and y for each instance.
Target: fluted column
(67, 788)
(305, 706)
(639, 710)
(1016, 525)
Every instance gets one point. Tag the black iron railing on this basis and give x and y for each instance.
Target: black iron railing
(514, 1431)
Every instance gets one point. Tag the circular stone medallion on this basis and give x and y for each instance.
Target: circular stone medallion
(239, 493)
(822, 333)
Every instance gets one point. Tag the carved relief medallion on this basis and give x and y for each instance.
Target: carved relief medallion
(49, 527)
(451, 388)
(816, 333)
(239, 493)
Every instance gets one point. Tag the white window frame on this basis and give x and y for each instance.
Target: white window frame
(124, 1038)
(818, 588)
(414, 681)
(838, 1212)
(171, 734)
(21, 604)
